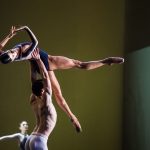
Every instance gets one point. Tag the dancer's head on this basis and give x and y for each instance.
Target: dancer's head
(8, 56)
(23, 126)
(37, 88)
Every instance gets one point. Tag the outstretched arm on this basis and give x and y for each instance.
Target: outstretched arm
(7, 38)
(61, 101)
(10, 137)
(34, 41)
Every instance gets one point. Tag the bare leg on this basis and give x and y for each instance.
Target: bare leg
(58, 94)
(60, 62)
(62, 102)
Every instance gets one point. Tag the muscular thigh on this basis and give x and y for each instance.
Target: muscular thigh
(61, 62)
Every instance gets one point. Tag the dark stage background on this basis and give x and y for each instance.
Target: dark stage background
(136, 118)
(84, 30)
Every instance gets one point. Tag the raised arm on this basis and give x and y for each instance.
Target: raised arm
(44, 74)
(34, 41)
(43, 71)
(13, 31)
(7, 38)
(28, 30)
(10, 137)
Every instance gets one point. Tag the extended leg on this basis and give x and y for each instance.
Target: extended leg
(60, 62)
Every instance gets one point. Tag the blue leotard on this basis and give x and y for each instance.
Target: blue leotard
(23, 142)
(43, 56)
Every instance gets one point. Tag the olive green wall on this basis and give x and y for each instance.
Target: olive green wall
(78, 29)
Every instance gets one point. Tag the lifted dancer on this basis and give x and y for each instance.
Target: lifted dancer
(22, 51)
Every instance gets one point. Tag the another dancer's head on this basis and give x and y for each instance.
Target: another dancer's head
(23, 126)
(38, 88)
(8, 56)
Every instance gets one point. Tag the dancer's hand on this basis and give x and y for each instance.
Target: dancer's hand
(12, 32)
(76, 123)
(35, 54)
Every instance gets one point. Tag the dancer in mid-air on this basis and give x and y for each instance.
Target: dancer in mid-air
(23, 51)
(20, 137)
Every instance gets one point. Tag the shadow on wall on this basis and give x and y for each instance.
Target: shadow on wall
(137, 28)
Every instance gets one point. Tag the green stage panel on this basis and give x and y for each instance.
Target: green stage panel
(137, 100)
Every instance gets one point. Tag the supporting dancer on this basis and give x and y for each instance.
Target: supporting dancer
(20, 137)
(43, 108)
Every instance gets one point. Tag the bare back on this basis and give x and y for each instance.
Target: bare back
(45, 113)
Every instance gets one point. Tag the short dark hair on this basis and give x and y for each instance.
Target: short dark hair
(37, 87)
(5, 58)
